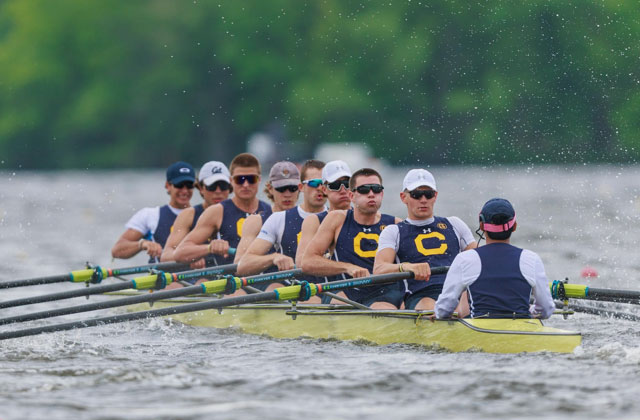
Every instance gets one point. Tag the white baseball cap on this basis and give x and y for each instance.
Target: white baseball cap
(335, 169)
(418, 178)
(214, 171)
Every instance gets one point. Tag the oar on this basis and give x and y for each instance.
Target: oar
(96, 274)
(297, 292)
(159, 280)
(560, 290)
(209, 287)
(93, 274)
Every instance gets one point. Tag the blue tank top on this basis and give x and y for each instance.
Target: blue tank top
(435, 243)
(291, 235)
(232, 220)
(321, 216)
(165, 224)
(501, 289)
(198, 209)
(357, 244)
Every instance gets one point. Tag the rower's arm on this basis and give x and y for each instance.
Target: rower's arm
(194, 246)
(464, 270)
(128, 244)
(180, 229)
(250, 231)
(257, 259)
(307, 231)
(313, 261)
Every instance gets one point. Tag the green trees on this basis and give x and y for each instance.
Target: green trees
(114, 83)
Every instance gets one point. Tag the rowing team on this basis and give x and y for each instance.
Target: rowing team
(337, 232)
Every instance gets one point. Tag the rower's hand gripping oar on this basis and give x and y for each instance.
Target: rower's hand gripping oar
(228, 285)
(297, 292)
(157, 281)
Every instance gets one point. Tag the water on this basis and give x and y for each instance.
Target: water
(51, 223)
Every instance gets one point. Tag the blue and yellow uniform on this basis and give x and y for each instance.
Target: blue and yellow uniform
(357, 244)
(231, 227)
(435, 243)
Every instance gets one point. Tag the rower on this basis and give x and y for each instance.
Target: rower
(282, 229)
(149, 228)
(283, 189)
(353, 237)
(421, 241)
(499, 277)
(214, 185)
(220, 226)
(334, 185)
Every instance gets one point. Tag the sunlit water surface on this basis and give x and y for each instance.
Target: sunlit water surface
(573, 217)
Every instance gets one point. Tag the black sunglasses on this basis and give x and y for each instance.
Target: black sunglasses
(223, 185)
(241, 179)
(336, 185)
(366, 188)
(290, 188)
(418, 194)
(181, 185)
(313, 183)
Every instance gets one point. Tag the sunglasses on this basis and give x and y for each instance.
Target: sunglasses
(181, 185)
(366, 188)
(290, 188)
(418, 194)
(241, 179)
(313, 183)
(223, 185)
(336, 185)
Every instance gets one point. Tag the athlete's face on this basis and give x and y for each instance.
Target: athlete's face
(370, 202)
(180, 195)
(313, 196)
(217, 195)
(246, 182)
(340, 199)
(285, 199)
(420, 208)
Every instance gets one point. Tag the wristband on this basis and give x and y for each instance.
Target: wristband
(209, 248)
(140, 244)
(400, 268)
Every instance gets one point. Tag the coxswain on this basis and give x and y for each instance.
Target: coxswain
(149, 228)
(421, 241)
(500, 278)
(352, 237)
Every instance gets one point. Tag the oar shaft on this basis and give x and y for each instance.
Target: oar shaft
(111, 303)
(87, 291)
(190, 307)
(35, 281)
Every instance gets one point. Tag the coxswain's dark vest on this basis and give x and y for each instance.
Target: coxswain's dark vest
(357, 244)
(501, 289)
(435, 243)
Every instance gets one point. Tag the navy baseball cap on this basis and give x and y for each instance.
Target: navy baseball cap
(179, 172)
(498, 215)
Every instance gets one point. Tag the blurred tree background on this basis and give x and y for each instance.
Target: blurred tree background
(104, 84)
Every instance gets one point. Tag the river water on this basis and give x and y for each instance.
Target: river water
(53, 222)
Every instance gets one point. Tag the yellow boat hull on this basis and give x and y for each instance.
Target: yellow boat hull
(382, 327)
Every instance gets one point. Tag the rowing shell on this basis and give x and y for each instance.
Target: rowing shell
(382, 327)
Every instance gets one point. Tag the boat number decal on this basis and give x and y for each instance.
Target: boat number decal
(239, 225)
(431, 251)
(357, 241)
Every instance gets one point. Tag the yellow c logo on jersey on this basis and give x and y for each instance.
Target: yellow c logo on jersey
(358, 249)
(298, 237)
(239, 225)
(431, 251)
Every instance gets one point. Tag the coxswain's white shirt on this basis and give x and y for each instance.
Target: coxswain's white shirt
(390, 236)
(146, 220)
(273, 228)
(465, 269)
